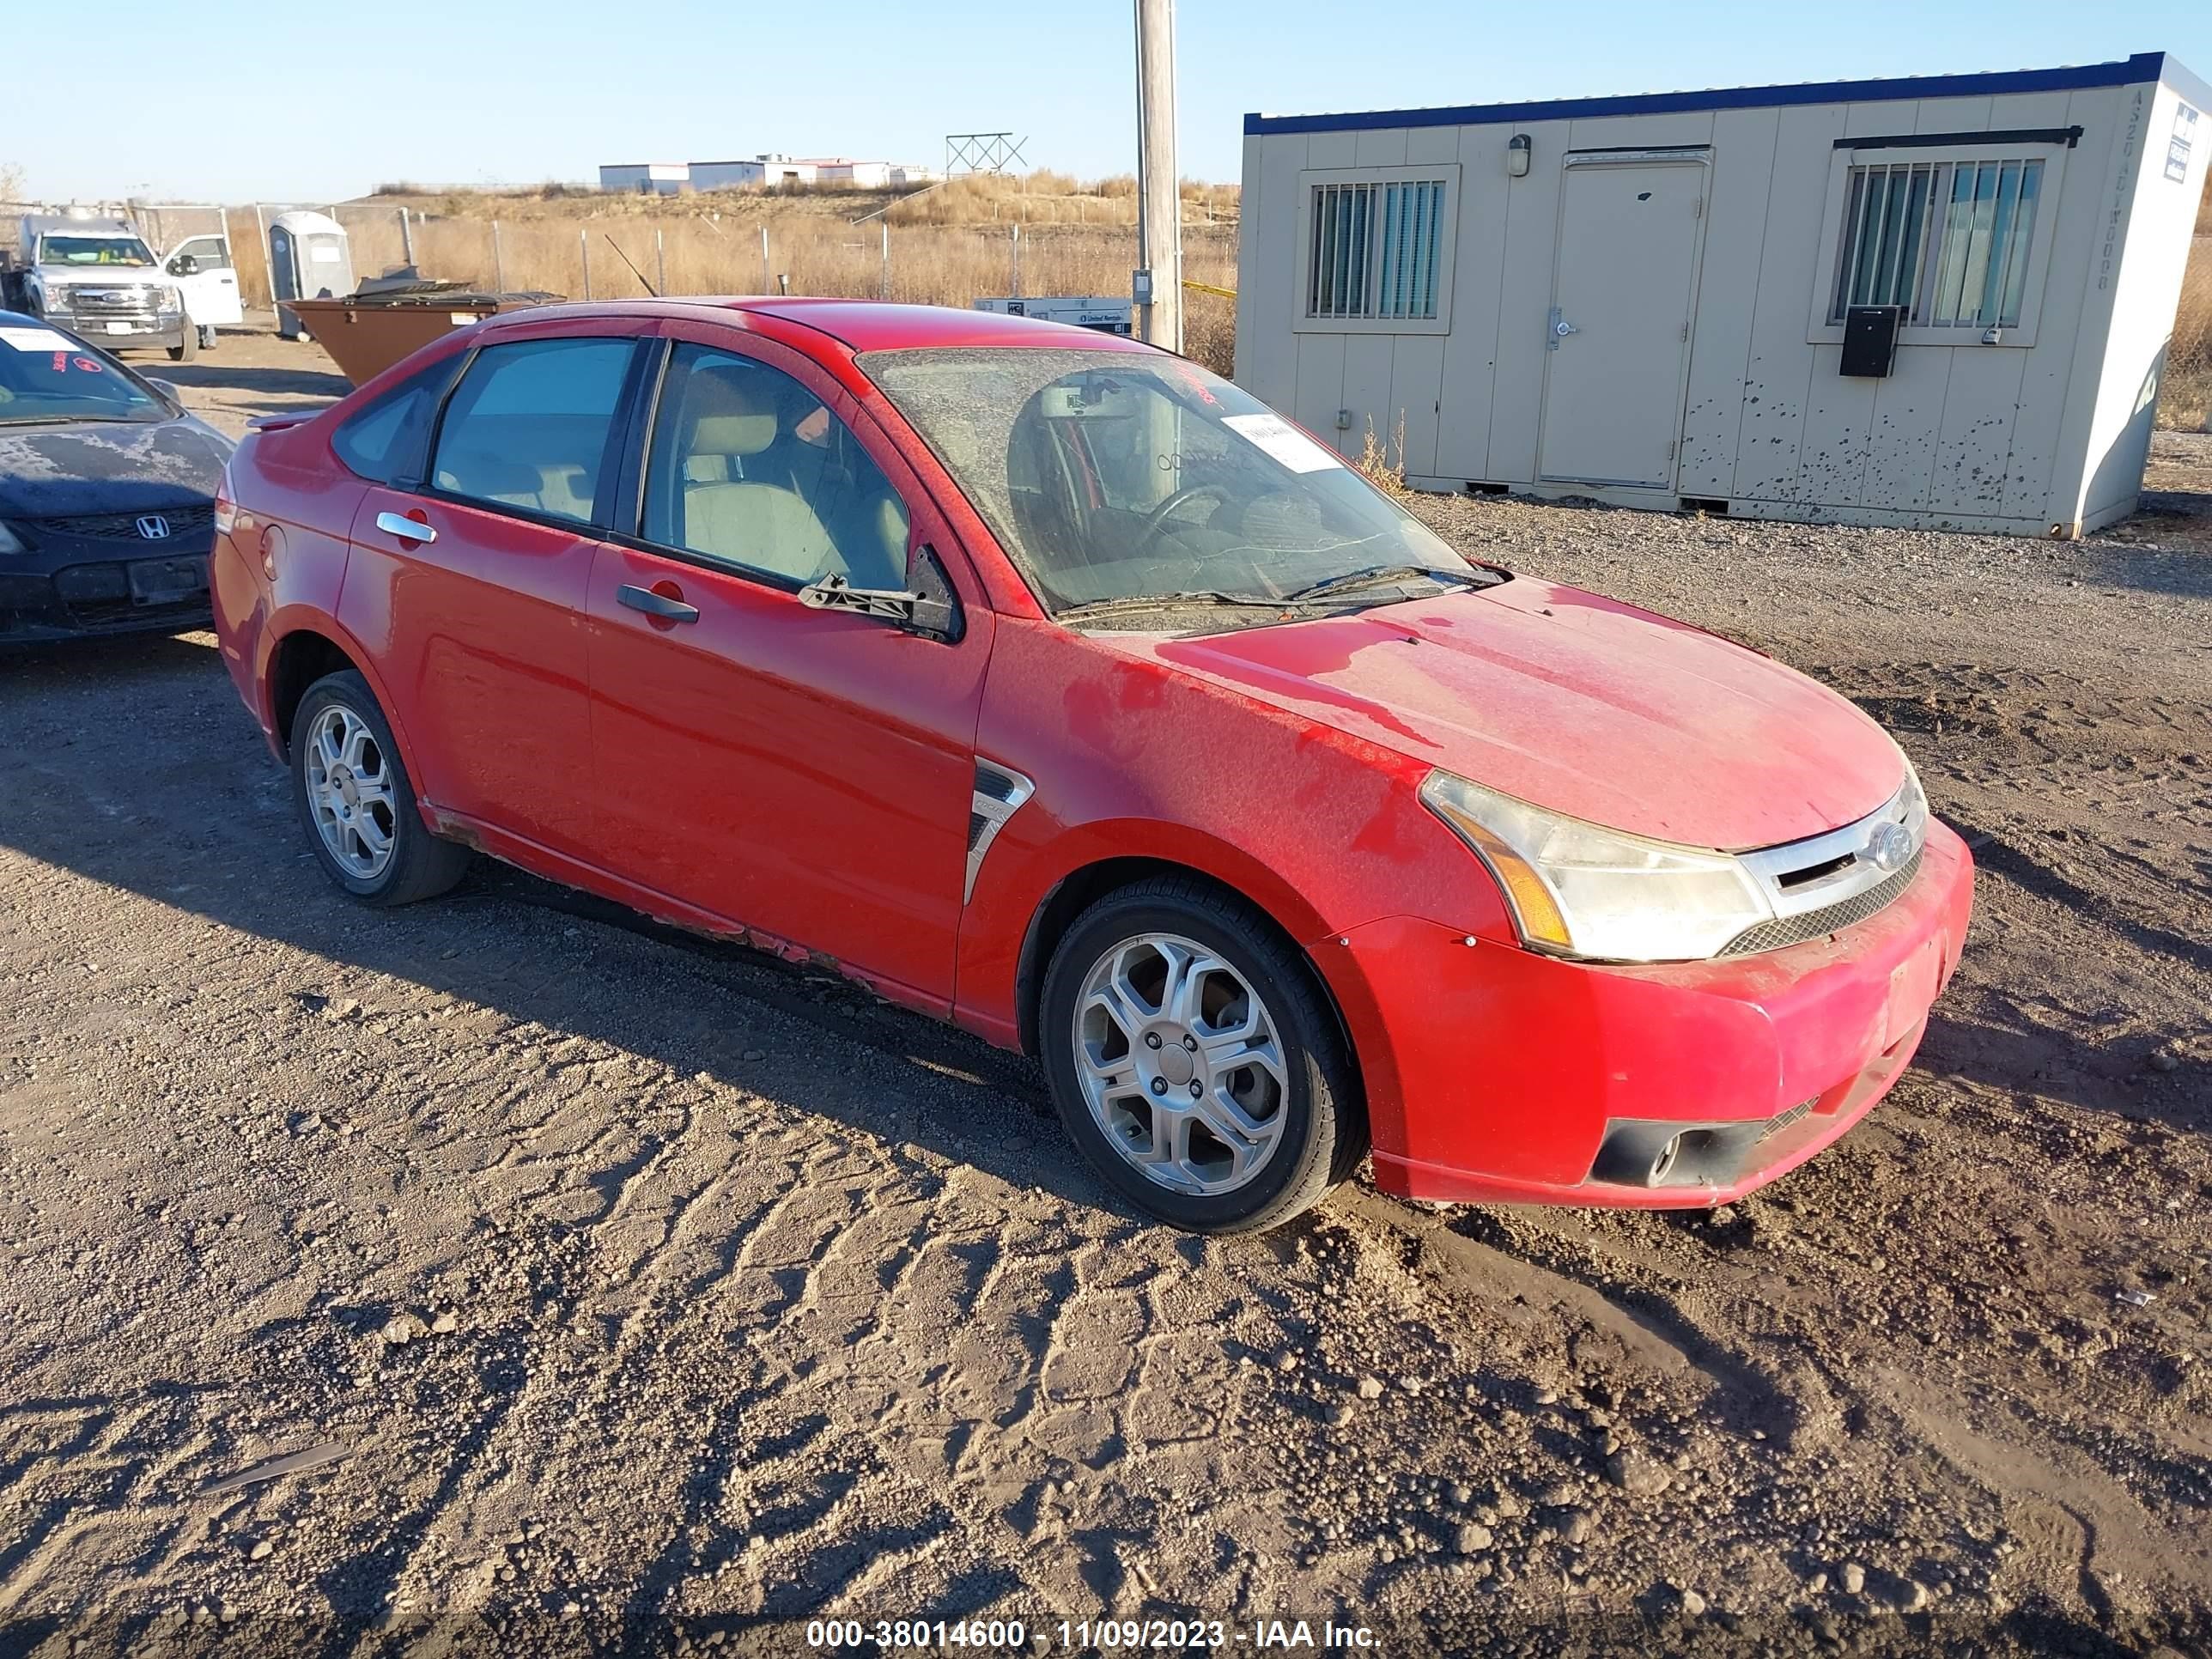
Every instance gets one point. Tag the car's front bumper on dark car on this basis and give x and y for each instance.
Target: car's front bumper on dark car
(76, 586)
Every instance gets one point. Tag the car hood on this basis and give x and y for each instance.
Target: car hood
(1574, 702)
(57, 472)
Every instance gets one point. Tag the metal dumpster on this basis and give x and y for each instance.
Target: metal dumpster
(367, 333)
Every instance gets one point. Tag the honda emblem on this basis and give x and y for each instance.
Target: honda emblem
(154, 527)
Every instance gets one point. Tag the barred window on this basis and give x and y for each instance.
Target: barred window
(1374, 249)
(1947, 241)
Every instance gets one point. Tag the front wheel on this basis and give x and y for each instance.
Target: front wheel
(357, 801)
(1195, 1061)
(188, 344)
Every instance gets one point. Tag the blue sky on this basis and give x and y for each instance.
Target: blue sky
(290, 100)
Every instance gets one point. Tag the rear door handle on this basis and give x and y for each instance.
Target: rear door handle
(407, 529)
(657, 604)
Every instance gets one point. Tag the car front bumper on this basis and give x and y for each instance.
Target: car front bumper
(81, 595)
(1495, 1073)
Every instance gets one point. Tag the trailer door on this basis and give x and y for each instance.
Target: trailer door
(1618, 338)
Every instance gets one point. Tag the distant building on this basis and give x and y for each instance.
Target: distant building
(646, 178)
(769, 171)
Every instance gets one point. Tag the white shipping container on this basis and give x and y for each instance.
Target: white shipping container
(1105, 314)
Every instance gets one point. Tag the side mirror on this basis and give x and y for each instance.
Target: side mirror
(167, 389)
(183, 265)
(931, 609)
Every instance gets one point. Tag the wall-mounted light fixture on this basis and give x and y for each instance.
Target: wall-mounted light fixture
(1517, 150)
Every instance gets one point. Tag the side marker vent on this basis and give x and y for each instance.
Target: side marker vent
(999, 792)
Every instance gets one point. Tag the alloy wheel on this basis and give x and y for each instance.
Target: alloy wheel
(1181, 1064)
(350, 791)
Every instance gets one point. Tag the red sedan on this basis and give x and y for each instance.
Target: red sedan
(1047, 684)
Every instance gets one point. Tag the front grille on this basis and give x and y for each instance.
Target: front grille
(184, 522)
(1782, 1121)
(1816, 924)
(104, 301)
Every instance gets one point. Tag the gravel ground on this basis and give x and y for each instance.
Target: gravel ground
(628, 1291)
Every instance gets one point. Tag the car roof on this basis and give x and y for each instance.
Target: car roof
(860, 325)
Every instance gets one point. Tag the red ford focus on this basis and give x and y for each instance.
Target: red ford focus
(1050, 685)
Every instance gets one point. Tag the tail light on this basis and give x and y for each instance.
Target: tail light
(225, 505)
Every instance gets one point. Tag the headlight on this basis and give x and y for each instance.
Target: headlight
(170, 300)
(53, 300)
(1578, 890)
(1914, 800)
(9, 542)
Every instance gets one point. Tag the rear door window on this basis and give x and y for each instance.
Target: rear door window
(530, 425)
(383, 440)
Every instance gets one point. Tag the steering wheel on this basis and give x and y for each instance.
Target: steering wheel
(1155, 521)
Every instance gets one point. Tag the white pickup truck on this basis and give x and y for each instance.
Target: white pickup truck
(99, 277)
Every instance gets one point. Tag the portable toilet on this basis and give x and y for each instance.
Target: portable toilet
(309, 259)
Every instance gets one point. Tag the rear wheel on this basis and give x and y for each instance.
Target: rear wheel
(357, 803)
(1196, 1062)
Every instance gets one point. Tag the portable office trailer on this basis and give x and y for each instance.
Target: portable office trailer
(1939, 301)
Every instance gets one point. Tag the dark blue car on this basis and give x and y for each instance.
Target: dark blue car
(106, 493)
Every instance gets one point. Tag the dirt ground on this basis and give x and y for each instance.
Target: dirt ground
(635, 1292)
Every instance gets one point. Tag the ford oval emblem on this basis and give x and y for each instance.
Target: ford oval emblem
(1889, 847)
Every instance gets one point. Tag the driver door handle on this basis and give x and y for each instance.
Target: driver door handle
(656, 604)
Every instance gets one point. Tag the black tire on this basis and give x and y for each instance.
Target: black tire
(189, 347)
(421, 866)
(1324, 1136)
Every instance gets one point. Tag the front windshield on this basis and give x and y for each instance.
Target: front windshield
(46, 376)
(94, 250)
(1116, 475)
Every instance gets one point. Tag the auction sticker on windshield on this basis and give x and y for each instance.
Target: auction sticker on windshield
(1279, 439)
(36, 339)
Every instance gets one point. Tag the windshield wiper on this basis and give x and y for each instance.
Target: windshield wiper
(1164, 602)
(1380, 576)
(69, 420)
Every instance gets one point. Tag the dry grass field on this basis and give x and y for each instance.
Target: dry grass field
(948, 245)
(2186, 400)
(976, 236)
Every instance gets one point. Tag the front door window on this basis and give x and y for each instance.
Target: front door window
(751, 469)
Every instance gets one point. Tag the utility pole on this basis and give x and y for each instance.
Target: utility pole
(1159, 196)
